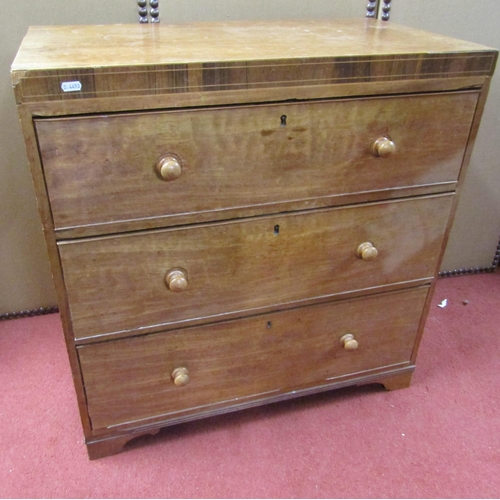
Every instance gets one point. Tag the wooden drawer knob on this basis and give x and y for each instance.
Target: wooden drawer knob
(169, 167)
(349, 342)
(366, 251)
(176, 280)
(180, 376)
(383, 147)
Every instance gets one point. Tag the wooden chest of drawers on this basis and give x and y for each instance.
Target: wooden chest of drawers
(241, 213)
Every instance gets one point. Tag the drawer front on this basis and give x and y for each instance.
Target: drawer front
(101, 169)
(119, 284)
(227, 363)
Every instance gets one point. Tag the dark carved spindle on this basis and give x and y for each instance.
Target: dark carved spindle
(371, 10)
(143, 11)
(386, 10)
(154, 11)
(153, 15)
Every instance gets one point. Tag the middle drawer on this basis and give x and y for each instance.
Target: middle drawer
(127, 283)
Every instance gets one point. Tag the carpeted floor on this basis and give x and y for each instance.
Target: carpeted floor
(439, 438)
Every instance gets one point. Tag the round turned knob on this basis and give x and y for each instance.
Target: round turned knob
(176, 280)
(366, 251)
(169, 167)
(383, 147)
(180, 376)
(349, 342)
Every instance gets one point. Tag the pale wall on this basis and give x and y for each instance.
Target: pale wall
(25, 281)
(476, 230)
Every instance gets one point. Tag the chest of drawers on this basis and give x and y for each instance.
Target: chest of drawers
(241, 213)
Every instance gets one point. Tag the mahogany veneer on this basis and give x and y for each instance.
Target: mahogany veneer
(241, 213)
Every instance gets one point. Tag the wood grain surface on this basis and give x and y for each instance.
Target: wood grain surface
(100, 170)
(129, 380)
(121, 60)
(116, 284)
(241, 213)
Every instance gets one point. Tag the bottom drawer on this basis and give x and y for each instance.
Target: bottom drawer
(135, 379)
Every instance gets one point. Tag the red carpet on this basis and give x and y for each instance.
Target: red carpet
(439, 438)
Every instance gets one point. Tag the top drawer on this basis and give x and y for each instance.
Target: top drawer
(102, 170)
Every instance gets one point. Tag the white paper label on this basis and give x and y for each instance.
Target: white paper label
(71, 86)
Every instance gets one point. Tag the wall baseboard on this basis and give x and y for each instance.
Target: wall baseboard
(475, 270)
(468, 270)
(28, 313)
